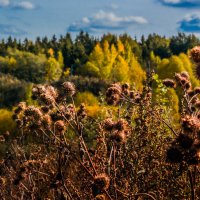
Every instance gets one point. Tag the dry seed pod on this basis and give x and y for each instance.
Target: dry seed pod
(197, 71)
(100, 197)
(108, 124)
(113, 94)
(119, 137)
(60, 126)
(121, 125)
(197, 90)
(169, 83)
(190, 93)
(102, 181)
(69, 88)
(195, 54)
(185, 75)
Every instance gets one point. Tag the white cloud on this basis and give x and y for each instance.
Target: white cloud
(106, 21)
(190, 23)
(86, 20)
(172, 1)
(4, 3)
(181, 3)
(27, 5)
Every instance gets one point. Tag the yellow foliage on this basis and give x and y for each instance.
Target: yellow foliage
(6, 122)
(114, 63)
(120, 72)
(53, 69)
(89, 69)
(97, 55)
(12, 62)
(87, 98)
(168, 67)
(120, 46)
(188, 66)
(51, 52)
(66, 73)
(136, 73)
(176, 64)
(155, 60)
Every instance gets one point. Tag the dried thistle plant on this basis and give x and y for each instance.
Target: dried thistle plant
(52, 158)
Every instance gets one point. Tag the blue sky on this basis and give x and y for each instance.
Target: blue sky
(33, 18)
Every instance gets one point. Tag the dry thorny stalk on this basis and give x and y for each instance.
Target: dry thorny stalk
(135, 154)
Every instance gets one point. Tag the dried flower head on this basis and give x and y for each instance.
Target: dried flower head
(125, 89)
(197, 71)
(47, 99)
(46, 121)
(37, 91)
(114, 99)
(113, 94)
(19, 123)
(29, 111)
(65, 112)
(100, 197)
(2, 181)
(185, 75)
(51, 91)
(178, 77)
(190, 123)
(81, 113)
(197, 90)
(35, 125)
(183, 81)
(45, 109)
(20, 107)
(117, 86)
(119, 137)
(108, 124)
(2, 138)
(188, 85)
(34, 112)
(169, 83)
(125, 86)
(6, 134)
(102, 181)
(45, 93)
(69, 88)
(60, 126)
(121, 125)
(190, 93)
(195, 54)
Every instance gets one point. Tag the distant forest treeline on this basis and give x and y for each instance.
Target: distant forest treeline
(78, 50)
(98, 61)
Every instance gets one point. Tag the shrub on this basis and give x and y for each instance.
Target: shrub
(12, 90)
(6, 122)
(87, 98)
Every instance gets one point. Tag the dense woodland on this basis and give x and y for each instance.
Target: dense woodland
(107, 59)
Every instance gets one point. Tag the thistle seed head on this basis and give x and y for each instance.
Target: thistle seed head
(195, 54)
(69, 88)
(169, 83)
